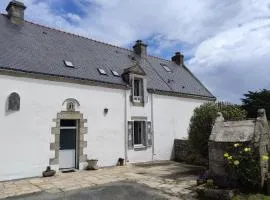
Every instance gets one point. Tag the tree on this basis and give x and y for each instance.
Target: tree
(202, 122)
(256, 100)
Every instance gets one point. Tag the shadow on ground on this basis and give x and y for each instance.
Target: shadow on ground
(171, 170)
(113, 191)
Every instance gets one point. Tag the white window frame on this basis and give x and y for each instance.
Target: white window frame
(138, 99)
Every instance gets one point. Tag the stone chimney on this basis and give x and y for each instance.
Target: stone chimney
(178, 58)
(15, 11)
(140, 48)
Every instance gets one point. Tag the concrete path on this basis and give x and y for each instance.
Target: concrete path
(170, 178)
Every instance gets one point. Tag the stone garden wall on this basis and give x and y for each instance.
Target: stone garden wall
(184, 152)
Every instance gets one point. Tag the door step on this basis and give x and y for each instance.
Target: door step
(67, 170)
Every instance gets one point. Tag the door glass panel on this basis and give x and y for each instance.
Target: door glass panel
(67, 139)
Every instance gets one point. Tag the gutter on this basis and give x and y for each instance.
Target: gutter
(126, 129)
(184, 95)
(59, 78)
(152, 128)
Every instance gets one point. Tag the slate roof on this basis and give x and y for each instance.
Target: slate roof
(39, 49)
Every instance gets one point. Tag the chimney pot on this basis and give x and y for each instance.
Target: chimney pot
(178, 58)
(140, 48)
(15, 10)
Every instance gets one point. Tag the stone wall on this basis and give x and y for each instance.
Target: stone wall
(184, 152)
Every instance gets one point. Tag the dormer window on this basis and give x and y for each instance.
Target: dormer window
(136, 78)
(138, 90)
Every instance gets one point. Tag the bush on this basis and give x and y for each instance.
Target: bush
(203, 119)
(243, 165)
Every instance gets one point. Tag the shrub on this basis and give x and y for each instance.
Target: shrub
(243, 165)
(202, 122)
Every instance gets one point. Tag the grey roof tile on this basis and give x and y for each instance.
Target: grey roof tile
(39, 49)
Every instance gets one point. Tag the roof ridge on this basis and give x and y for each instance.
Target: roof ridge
(87, 38)
(156, 57)
(73, 34)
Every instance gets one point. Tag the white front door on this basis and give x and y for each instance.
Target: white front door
(67, 151)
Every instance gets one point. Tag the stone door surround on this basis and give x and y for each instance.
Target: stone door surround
(81, 143)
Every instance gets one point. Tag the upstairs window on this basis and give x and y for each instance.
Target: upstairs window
(166, 67)
(138, 90)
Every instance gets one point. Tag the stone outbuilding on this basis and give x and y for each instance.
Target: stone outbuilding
(254, 133)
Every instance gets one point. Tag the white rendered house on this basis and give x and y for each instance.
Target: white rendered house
(66, 99)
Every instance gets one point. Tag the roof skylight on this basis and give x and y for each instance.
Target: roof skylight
(68, 64)
(102, 71)
(166, 67)
(115, 73)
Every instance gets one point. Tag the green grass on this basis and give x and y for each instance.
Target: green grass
(252, 197)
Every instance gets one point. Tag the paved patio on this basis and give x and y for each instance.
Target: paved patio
(170, 178)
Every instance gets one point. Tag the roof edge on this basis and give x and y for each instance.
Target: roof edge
(188, 70)
(184, 95)
(67, 79)
(59, 78)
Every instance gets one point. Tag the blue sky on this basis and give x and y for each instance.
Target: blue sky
(226, 43)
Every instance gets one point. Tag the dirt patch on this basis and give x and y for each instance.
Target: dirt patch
(191, 173)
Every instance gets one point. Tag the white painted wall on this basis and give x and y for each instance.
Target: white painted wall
(25, 135)
(143, 155)
(171, 121)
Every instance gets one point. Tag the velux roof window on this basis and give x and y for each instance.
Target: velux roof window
(102, 71)
(115, 73)
(68, 64)
(166, 67)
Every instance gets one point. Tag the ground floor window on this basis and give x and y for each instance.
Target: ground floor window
(139, 133)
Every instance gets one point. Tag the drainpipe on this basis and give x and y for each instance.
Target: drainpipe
(152, 119)
(126, 128)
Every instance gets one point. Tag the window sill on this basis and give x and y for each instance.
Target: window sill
(141, 104)
(139, 147)
(137, 100)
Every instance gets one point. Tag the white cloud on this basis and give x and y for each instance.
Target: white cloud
(73, 17)
(236, 60)
(229, 39)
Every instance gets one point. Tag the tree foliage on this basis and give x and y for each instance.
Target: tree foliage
(253, 101)
(202, 122)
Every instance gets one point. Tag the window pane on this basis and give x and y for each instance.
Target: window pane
(137, 87)
(138, 131)
(67, 122)
(67, 139)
